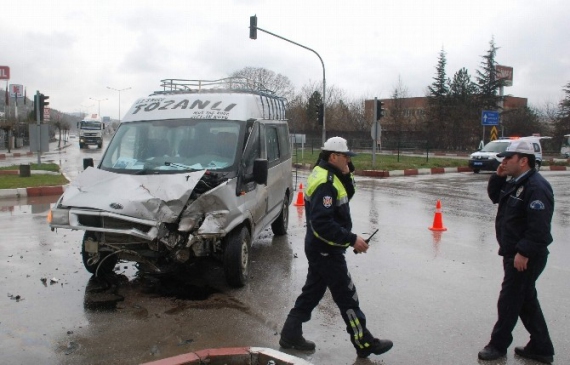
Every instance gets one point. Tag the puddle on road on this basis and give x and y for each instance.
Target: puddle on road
(29, 205)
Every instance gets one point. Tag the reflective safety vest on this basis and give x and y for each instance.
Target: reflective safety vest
(318, 177)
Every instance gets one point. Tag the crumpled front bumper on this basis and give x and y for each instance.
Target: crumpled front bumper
(101, 221)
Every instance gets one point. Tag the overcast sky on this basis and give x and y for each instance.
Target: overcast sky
(73, 50)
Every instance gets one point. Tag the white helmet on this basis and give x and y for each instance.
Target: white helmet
(337, 144)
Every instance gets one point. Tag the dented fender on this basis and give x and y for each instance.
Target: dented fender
(218, 212)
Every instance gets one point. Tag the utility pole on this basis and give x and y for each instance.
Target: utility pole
(99, 101)
(253, 28)
(119, 90)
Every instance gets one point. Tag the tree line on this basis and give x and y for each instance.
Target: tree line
(451, 120)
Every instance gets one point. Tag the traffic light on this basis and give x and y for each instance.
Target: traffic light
(379, 109)
(320, 113)
(43, 104)
(253, 27)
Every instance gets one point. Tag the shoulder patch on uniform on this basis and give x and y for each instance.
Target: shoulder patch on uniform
(537, 205)
(327, 201)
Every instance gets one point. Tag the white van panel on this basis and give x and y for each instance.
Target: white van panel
(225, 106)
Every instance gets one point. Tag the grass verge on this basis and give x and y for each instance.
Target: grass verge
(15, 181)
(389, 162)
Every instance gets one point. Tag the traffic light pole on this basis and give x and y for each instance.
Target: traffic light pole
(324, 136)
(375, 132)
(37, 109)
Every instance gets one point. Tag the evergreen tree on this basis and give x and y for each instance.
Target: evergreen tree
(487, 80)
(522, 122)
(463, 111)
(565, 103)
(562, 122)
(439, 88)
(312, 106)
(437, 102)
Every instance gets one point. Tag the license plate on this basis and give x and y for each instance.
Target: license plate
(477, 163)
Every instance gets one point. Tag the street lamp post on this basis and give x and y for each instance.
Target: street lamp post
(119, 90)
(99, 101)
(84, 107)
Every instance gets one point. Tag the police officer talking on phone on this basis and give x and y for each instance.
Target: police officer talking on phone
(329, 190)
(522, 226)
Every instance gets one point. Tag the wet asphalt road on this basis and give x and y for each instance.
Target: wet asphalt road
(433, 294)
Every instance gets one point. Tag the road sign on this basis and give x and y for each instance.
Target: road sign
(4, 73)
(494, 133)
(46, 114)
(376, 131)
(489, 117)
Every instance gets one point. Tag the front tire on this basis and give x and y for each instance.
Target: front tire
(105, 261)
(537, 165)
(476, 171)
(236, 256)
(280, 225)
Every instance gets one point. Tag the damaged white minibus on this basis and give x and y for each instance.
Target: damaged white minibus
(196, 170)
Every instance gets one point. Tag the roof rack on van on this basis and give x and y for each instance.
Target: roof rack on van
(228, 84)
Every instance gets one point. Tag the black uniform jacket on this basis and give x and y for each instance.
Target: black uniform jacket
(332, 223)
(524, 214)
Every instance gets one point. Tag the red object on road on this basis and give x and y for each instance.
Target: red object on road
(438, 219)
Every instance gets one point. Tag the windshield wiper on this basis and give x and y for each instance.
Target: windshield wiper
(179, 165)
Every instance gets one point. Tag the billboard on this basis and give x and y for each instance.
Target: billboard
(16, 91)
(4, 73)
(505, 73)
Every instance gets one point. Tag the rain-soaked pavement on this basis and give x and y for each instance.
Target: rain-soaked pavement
(433, 294)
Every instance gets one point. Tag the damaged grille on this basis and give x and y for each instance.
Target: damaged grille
(111, 223)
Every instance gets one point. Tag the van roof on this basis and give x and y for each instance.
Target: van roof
(224, 99)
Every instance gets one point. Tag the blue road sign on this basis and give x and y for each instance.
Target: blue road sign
(489, 117)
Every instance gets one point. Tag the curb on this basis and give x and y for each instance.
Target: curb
(3, 156)
(58, 190)
(19, 193)
(413, 172)
(232, 355)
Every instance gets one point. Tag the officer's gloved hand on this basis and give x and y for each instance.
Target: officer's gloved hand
(351, 167)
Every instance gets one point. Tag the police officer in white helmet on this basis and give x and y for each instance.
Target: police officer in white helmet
(329, 190)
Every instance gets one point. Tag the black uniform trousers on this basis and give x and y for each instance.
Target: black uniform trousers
(518, 298)
(330, 271)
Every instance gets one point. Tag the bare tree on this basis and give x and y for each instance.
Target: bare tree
(398, 109)
(276, 83)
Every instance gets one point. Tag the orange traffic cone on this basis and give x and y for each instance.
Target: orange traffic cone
(300, 198)
(437, 219)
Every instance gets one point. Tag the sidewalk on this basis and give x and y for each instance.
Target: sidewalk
(237, 355)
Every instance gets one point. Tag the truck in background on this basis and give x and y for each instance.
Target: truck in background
(565, 150)
(91, 131)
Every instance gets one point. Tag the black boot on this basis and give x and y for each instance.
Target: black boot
(376, 347)
(292, 336)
